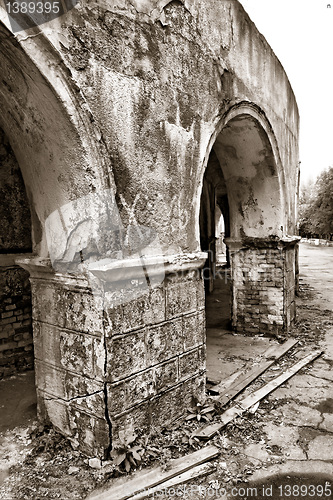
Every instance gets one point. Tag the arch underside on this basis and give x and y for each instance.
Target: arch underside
(250, 178)
(242, 179)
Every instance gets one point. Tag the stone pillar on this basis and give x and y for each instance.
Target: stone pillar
(69, 356)
(110, 353)
(155, 342)
(263, 284)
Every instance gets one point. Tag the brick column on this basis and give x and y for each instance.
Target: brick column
(263, 284)
(16, 349)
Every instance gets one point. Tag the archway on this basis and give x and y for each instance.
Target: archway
(243, 180)
(15, 240)
(58, 149)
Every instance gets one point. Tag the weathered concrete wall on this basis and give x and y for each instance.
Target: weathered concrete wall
(134, 72)
(131, 97)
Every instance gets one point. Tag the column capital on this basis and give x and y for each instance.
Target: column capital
(41, 268)
(111, 270)
(236, 244)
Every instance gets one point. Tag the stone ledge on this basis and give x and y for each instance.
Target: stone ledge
(274, 242)
(9, 259)
(111, 270)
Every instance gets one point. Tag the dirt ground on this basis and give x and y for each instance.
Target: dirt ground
(291, 432)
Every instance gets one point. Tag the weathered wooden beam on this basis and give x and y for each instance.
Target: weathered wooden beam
(272, 354)
(195, 473)
(209, 431)
(124, 488)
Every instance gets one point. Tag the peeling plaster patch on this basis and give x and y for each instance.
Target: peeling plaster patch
(147, 8)
(179, 139)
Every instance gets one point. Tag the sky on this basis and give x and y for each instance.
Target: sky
(300, 33)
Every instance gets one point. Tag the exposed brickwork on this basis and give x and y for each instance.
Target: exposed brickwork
(15, 224)
(263, 274)
(16, 346)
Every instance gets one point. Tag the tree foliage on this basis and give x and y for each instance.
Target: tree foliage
(316, 207)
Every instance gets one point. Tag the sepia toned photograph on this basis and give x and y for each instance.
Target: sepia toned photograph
(166, 249)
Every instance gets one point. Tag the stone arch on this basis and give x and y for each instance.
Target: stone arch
(243, 164)
(51, 130)
(61, 155)
(225, 130)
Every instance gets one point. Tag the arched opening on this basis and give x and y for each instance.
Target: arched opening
(15, 239)
(16, 345)
(241, 185)
(61, 159)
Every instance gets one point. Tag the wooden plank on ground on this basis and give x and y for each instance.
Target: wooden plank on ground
(125, 488)
(209, 431)
(272, 355)
(195, 473)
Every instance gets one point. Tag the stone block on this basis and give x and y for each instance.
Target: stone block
(126, 355)
(155, 313)
(166, 375)
(64, 385)
(192, 331)
(7, 321)
(133, 313)
(75, 309)
(113, 317)
(164, 342)
(53, 411)
(123, 395)
(10, 307)
(24, 343)
(90, 432)
(162, 410)
(190, 363)
(81, 353)
(181, 298)
(50, 379)
(77, 353)
(44, 303)
(7, 314)
(82, 311)
(8, 346)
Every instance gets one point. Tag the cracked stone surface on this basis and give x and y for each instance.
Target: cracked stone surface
(321, 448)
(295, 414)
(287, 438)
(305, 388)
(327, 423)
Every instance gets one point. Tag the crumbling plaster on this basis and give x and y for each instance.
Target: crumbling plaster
(123, 71)
(130, 97)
